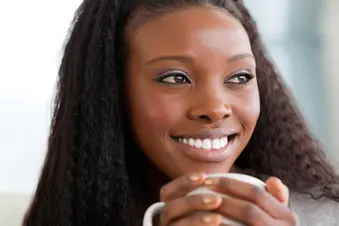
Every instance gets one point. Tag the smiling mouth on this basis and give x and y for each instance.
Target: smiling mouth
(207, 144)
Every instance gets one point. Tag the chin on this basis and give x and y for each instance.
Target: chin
(201, 167)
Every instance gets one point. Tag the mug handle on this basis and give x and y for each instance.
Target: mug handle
(151, 212)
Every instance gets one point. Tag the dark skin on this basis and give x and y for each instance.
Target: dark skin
(195, 78)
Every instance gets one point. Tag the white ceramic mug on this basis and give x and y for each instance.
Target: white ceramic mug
(156, 208)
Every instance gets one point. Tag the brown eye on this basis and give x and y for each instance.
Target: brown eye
(240, 78)
(174, 78)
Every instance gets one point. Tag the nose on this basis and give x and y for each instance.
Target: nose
(210, 109)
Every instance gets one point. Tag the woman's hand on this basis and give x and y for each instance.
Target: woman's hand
(278, 190)
(252, 205)
(245, 203)
(179, 208)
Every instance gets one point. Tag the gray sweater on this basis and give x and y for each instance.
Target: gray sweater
(310, 212)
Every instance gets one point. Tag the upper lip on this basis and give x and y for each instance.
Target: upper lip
(207, 134)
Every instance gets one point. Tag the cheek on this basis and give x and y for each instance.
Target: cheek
(154, 111)
(248, 110)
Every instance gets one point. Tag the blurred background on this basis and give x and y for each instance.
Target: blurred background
(301, 36)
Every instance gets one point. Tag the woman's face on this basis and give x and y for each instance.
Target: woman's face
(192, 90)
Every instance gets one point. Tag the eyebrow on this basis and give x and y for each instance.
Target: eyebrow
(190, 59)
(240, 57)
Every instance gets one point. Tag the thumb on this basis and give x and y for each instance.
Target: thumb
(277, 189)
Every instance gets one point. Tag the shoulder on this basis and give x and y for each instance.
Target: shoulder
(314, 212)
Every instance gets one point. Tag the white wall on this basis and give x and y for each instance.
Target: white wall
(331, 60)
(31, 37)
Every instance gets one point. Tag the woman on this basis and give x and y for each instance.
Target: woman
(155, 94)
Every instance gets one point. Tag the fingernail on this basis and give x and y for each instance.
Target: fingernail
(280, 182)
(211, 181)
(210, 199)
(195, 177)
(209, 219)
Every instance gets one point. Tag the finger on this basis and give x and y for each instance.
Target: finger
(244, 211)
(183, 206)
(251, 193)
(181, 186)
(199, 219)
(277, 189)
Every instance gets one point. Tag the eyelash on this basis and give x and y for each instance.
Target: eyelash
(173, 74)
(248, 76)
(176, 74)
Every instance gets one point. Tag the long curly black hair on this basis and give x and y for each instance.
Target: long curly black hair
(92, 171)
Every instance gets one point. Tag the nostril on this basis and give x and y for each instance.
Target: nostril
(204, 118)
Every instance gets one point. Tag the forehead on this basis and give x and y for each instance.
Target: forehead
(194, 30)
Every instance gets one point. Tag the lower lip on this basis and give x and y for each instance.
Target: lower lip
(214, 155)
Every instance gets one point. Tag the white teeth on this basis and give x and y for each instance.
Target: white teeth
(206, 144)
(216, 144)
(198, 143)
(223, 142)
(191, 142)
